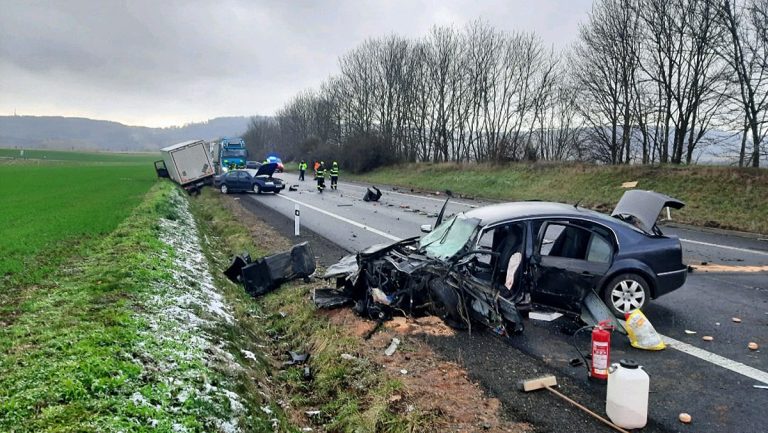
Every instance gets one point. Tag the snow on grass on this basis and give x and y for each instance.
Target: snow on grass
(181, 315)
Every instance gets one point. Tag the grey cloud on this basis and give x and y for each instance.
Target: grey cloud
(149, 60)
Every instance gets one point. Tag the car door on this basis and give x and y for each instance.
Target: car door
(568, 261)
(243, 181)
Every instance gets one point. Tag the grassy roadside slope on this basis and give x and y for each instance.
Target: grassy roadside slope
(715, 196)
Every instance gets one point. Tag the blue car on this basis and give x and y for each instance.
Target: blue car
(250, 180)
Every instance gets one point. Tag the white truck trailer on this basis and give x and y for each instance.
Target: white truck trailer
(188, 164)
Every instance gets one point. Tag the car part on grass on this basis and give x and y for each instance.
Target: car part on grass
(235, 270)
(548, 382)
(372, 194)
(331, 298)
(296, 358)
(267, 273)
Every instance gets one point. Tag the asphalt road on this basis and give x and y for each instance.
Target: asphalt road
(713, 381)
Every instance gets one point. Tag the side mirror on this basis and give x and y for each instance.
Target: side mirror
(426, 228)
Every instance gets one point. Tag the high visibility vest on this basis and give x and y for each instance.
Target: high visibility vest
(302, 166)
(335, 171)
(320, 172)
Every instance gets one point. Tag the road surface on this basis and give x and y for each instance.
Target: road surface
(713, 381)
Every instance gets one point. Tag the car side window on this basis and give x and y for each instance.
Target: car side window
(563, 240)
(600, 249)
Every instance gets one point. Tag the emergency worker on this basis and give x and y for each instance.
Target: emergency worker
(302, 170)
(320, 177)
(335, 175)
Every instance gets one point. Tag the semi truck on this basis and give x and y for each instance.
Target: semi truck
(231, 154)
(188, 164)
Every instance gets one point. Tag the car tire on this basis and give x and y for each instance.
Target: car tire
(224, 189)
(445, 304)
(277, 191)
(626, 293)
(256, 188)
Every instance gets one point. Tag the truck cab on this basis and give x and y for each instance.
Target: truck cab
(232, 154)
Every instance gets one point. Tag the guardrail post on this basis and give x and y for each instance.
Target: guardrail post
(296, 219)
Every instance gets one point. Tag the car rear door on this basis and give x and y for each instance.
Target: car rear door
(568, 261)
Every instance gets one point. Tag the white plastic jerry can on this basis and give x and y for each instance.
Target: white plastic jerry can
(626, 402)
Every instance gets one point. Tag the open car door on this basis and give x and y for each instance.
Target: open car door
(567, 263)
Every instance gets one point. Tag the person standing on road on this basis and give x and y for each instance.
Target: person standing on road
(335, 175)
(302, 170)
(320, 176)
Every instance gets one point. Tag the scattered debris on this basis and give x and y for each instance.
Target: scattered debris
(296, 358)
(684, 418)
(330, 298)
(312, 412)
(632, 184)
(403, 371)
(347, 357)
(344, 204)
(753, 346)
(576, 362)
(735, 320)
(546, 316)
(392, 347)
(267, 273)
(689, 332)
(234, 271)
(642, 334)
(372, 194)
(404, 206)
(717, 323)
(707, 338)
(293, 188)
(379, 296)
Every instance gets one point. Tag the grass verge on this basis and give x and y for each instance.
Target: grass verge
(722, 197)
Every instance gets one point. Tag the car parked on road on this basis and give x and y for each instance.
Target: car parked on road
(249, 180)
(489, 264)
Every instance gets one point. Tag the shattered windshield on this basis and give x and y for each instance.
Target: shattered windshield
(449, 237)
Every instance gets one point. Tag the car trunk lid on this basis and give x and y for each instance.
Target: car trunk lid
(642, 207)
(266, 169)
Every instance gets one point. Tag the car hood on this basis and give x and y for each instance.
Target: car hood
(644, 207)
(266, 169)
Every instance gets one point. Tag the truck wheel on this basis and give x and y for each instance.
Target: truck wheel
(256, 188)
(445, 304)
(224, 189)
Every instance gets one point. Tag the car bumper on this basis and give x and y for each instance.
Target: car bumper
(669, 281)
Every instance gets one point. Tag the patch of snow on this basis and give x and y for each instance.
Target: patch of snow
(248, 354)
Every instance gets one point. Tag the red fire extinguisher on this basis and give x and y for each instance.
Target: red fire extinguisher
(601, 350)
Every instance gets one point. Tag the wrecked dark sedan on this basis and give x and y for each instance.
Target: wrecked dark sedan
(492, 264)
(257, 180)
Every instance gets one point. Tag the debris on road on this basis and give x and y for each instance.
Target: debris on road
(707, 338)
(632, 184)
(689, 332)
(403, 371)
(546, 316)
(330, 298)
(735, 320)
(684, 418)
(293, 188)
(372, 194)
(343, 204)
(392, 347)
(753, 346)
(234, 271)
(642, 335)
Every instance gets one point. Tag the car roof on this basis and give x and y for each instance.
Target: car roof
(495, 213)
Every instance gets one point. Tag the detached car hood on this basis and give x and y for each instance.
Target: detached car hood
(266, 169)
(643, 207)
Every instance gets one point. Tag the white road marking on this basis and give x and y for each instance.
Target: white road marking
(341, 218)
(718, 360)
(726, 247)
(441, 200)
(694, 351)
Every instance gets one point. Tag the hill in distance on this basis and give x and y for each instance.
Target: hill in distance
(75, 133)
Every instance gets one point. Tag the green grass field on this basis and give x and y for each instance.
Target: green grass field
(45, 205)
(715, 196)
(41, 155)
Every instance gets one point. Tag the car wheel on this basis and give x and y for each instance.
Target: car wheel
(277, 191)
(224, 189)
(256, 188)
(626, 293)
(445, 304)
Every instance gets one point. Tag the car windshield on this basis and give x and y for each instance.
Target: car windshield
(449, 237)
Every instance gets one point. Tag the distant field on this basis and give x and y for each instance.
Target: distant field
(57, 155)
(715, 196)
(43, 205)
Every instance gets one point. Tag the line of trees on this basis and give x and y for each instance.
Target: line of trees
(647, 81)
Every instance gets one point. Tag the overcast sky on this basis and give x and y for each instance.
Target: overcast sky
(160, 63)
